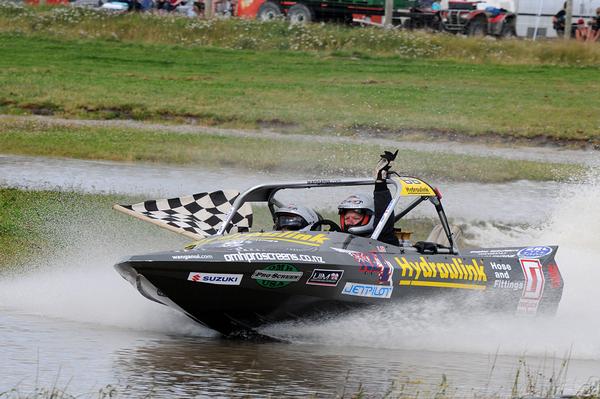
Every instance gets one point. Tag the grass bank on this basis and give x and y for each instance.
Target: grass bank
(26, 220)
(302, 158)
(325, 79)
(42, 224)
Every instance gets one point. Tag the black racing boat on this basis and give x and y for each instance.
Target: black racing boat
(235, 280)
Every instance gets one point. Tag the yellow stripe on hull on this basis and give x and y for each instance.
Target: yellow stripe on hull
(442, 284)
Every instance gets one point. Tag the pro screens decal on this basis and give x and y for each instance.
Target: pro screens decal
(277, 276)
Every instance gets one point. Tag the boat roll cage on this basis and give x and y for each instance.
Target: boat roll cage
(402, 184)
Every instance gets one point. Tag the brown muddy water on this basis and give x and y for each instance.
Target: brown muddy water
(69, 321)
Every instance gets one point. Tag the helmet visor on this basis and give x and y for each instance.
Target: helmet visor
(289, 222)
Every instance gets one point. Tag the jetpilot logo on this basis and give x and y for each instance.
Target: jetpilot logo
(367, 290)
(436, 274)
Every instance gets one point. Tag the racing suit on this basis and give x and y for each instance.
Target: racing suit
(382, 198)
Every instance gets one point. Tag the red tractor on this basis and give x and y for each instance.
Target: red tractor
(477, 19)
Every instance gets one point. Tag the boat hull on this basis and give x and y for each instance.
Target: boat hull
(241, 282)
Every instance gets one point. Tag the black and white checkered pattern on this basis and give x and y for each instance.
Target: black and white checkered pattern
(201, 213)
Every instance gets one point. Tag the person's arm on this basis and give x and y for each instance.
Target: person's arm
(382, 197)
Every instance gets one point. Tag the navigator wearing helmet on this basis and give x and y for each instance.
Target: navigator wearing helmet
(359, 213)
(294, 217)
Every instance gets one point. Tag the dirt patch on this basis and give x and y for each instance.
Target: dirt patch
(4, 103)
(370, 82)
(275, 124)
(205, 119)
(115, 112)
(44, 109)
(489, 138)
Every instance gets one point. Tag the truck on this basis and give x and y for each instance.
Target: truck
(525, 18)
(465, 17)
(348, 11)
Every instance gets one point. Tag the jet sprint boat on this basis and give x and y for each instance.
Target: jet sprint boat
(233, 279)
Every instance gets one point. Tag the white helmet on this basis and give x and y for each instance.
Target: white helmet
(364, 205)
(294, 217)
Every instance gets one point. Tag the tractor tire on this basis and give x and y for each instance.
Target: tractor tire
(268, 11)
(300, 14)
(509, 30)
(477, 27)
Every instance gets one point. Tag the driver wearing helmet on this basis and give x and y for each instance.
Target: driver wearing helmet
(294, 217)
(360, 213)
(356, 214)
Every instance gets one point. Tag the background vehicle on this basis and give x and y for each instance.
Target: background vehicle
(478, 19)
(361, 11)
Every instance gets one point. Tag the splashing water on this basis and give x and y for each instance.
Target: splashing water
(76, 281)
(574, 225)
(82, 286)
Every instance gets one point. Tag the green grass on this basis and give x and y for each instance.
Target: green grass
(14, 228)
(301, 158)
(45, 223)
(81, 64)
(34, 223)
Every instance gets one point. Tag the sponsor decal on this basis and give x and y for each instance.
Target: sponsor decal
(554, 274)
(510, 285)
(232, 244)
(534, 252)
(354, 200)
(534, 278)
(381, 248)
(296, 237)
(216, 278)
(466, 274)
(192, 256)
(534, 286)
(277, 276)
(412, 186)
(372, 263)
(501, 270)
(322, 181)
(495, 253)
(326, 277)
(272, 256)
(367, 290)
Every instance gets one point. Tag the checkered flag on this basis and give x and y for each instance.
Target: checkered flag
(195, 216)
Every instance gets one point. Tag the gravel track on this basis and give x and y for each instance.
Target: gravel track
(505, 151)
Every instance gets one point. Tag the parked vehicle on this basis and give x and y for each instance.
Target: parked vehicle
(358, 11)
(478, 19)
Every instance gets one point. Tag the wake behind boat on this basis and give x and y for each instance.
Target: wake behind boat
(235, 280)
